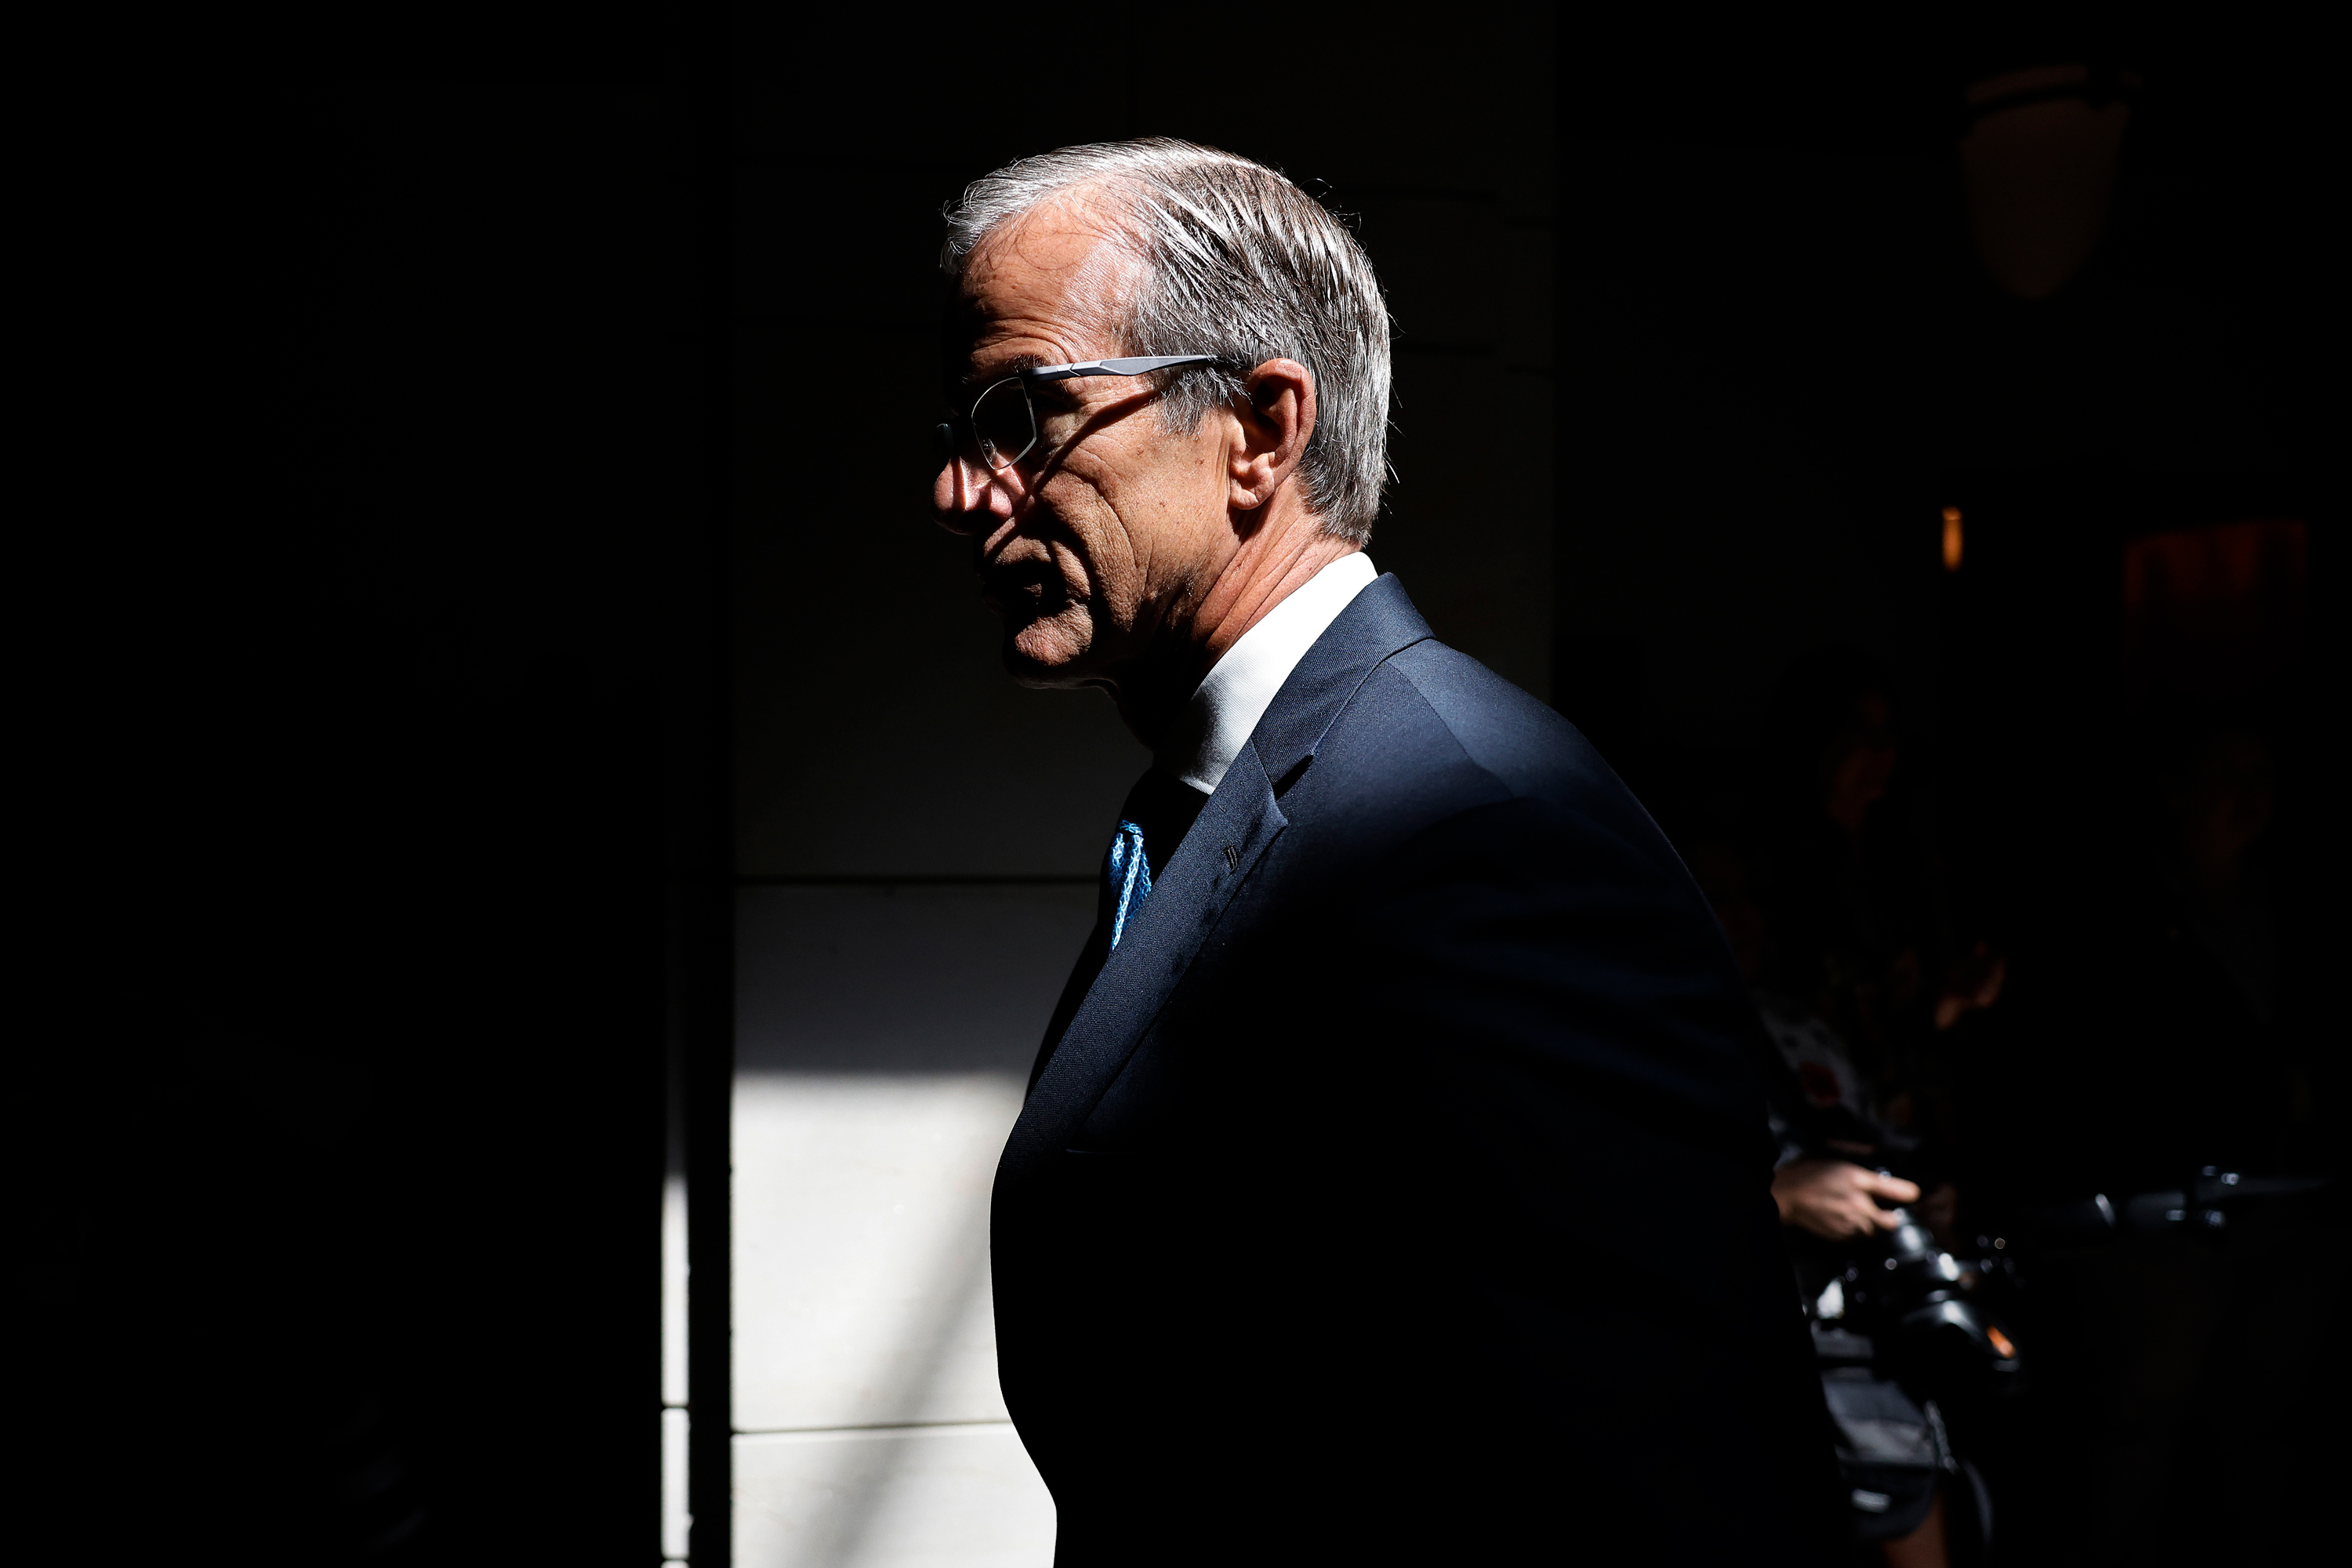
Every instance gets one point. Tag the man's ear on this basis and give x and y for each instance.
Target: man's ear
(1277, 417)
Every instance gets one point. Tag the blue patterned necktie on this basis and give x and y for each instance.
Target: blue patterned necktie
(1161, 809)
(1127, 877)
(1159, 813)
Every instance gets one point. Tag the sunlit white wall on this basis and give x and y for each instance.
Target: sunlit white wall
(885, 1036)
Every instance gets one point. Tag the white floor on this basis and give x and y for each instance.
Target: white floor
(885, 1037)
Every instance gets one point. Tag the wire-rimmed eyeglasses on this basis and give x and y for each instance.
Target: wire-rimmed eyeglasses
(1002, 427)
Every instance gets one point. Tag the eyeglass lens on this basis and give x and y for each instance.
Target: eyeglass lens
(1002, 425)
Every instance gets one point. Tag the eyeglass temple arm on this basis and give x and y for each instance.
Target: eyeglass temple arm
(1112, 366)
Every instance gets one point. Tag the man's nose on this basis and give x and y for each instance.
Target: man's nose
(968, 498)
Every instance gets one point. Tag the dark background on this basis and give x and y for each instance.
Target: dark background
(447, 447)
(384, 817)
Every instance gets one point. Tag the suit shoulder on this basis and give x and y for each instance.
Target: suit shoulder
(1530, 749)
(1432, 734)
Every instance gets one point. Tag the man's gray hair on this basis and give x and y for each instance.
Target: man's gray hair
(1238, 263)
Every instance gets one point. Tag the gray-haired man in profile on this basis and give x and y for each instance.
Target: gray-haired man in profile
(1392, 1183)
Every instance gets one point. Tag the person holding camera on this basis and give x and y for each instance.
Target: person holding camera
(1835, 1198)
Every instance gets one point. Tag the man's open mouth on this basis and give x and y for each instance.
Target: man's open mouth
(1028, 589)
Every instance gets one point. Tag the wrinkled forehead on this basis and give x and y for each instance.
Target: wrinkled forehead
(1047, 283)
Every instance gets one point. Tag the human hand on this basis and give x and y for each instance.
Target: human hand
(1836, 1198)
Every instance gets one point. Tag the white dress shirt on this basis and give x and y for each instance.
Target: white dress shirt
(1233, 697)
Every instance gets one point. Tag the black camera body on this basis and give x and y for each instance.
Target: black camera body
(1906, 1305)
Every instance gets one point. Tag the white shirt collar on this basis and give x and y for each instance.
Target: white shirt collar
(1236, 692)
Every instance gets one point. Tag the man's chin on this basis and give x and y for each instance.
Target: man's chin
(1046, 656)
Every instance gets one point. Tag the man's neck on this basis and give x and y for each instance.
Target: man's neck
(1275, 559)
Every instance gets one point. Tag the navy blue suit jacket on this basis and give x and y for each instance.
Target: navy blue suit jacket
(1399, 1189)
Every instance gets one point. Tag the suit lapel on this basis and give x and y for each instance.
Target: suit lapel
(1216, 857)
(1233, 832)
